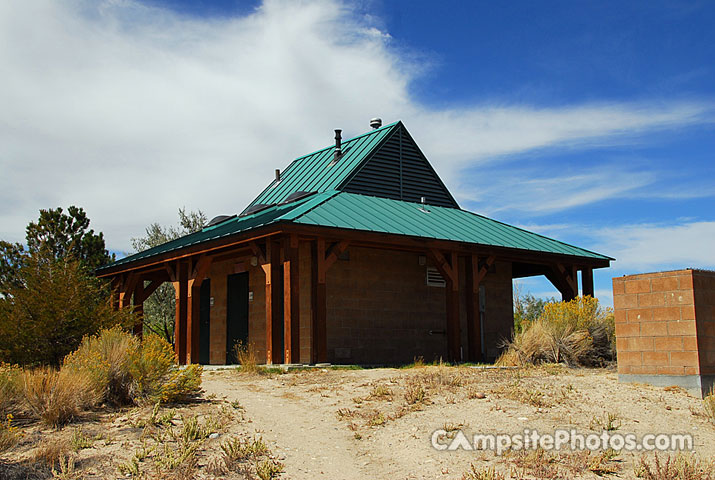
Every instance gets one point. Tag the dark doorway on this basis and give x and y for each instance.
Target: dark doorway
(205, 323)
(236, 313)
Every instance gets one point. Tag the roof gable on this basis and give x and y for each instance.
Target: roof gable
(399, 170)
(385, 162)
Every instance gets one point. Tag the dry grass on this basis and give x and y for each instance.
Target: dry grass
(578, 332)
(415, 393)
(247, 358)
(540, 463)
(678, 467)
(52, 449)
(10, 390)
(475, 473)
(709, 405)
(56, 397)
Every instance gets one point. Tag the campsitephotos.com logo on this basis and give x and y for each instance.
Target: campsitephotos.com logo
(560, 440)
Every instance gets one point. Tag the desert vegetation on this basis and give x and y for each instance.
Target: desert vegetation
(578, 332)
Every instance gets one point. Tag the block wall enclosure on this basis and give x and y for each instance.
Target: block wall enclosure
(665, 328)
(380, 309)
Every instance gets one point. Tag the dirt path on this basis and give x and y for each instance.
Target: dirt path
(307, 435)
(358, 424)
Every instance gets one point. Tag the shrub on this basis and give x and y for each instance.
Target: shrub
(578, 332)
(54, 304)
(57, 396)
(246, 357)
(105, 359)
(678, 467)
(182, 383)
(124, 371)
(149, 367)
(8, 433)
(10, 390)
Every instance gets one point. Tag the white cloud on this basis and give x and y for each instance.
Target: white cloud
(649, 247)
(131, 111)
(535, 193)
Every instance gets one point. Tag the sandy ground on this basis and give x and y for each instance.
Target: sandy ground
(319, 422)
(376, 424)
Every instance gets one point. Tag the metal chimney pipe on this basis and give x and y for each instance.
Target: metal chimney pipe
(278, 174)
(338, 144)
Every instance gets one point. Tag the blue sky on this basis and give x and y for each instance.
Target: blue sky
(591, 122)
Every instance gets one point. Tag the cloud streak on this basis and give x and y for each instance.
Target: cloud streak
(132, 111)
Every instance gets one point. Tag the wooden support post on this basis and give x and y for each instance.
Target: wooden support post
(453, 328)
(474, 325)
(115, 285)
(271, 268)
(139, 297)
(291, 300)
(181, 287)
(318, 302)
(587, 282)
(565, 279)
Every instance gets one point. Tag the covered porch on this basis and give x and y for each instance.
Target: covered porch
(287, 301)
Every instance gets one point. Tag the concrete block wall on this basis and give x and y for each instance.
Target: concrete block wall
(664, 328)
(381, 310)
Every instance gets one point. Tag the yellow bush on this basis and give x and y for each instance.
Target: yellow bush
(182, 383)
(105, 359)
(578, 332)
(123, 370)
(150, 366)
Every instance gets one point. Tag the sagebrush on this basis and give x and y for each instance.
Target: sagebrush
(578, 332)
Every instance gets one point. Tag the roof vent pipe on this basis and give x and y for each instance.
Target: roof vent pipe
(338, 144)
(278, 174)
(376, 123)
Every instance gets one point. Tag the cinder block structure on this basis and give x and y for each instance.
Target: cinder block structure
(355, 253)
(665, 328)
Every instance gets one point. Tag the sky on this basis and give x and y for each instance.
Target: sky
(590, 122)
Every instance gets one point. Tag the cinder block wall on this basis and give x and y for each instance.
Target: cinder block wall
(664, 328)
(380, 309)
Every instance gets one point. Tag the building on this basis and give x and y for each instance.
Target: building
(356, 253)
(665, 329)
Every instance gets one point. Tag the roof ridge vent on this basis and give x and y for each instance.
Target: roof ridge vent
(376, 123)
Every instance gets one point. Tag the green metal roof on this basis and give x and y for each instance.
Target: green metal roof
(313, 172)
(363, 213)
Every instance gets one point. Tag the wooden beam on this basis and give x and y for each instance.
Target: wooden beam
(139, 296)
(587, 282)
(319, 335)
(335, 252)
(291, 300)
(126, 290)
(484, 269)
(474, 325)
(445, 268)
(565, 280)
(452, 294)
(181, 287)
(258, 252)
(271, 269)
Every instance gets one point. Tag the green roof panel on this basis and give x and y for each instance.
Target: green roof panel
(360, 212)
(313, 172)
